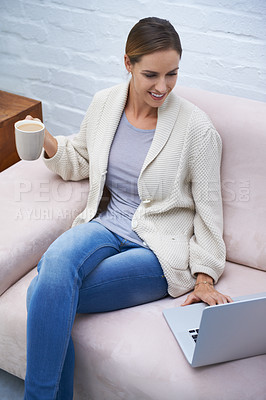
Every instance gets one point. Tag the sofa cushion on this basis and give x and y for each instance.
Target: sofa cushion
(36, 207)
(242, 126)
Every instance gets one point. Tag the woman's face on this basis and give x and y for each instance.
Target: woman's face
(153, 77)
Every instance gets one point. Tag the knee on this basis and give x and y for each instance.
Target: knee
(56, 262)
(60, 256)
(57, 273)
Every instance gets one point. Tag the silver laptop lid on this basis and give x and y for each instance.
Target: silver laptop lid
(229, 331)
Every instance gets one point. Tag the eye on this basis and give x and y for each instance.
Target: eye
(172, 74)
(149, 75)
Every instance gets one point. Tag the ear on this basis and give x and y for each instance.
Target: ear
(128, 64)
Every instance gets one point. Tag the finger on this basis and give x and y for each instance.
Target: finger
(220, 299)
(32, 119)
(186, 302)
(210, 301)
(228, 298)
(190, 300)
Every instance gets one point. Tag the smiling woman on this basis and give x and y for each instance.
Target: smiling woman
(153, 51)
(155, 153)
(153, 78)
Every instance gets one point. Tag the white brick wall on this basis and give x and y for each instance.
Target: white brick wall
(62, 51)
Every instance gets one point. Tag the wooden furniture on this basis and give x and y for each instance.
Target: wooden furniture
(12, 109)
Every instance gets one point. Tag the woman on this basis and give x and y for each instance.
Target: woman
(161, 232)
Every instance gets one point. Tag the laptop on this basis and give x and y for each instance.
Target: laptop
(214, 334)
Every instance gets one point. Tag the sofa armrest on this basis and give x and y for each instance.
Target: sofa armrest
(36, 207)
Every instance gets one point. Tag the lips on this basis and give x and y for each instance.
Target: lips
(156, 96)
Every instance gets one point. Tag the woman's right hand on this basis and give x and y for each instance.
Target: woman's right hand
(50, 143)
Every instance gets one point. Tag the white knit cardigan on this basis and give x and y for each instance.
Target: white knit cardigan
(180, 214)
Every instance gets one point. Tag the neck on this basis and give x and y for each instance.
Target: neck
(137, 108)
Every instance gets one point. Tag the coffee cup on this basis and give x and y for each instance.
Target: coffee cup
(29, 137)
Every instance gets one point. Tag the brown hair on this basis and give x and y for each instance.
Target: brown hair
(150, 35)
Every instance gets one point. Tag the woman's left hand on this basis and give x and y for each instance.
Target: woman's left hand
(204, 291)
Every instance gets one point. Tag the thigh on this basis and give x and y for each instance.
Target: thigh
(123, 280)
(73, 255)
(81, 247)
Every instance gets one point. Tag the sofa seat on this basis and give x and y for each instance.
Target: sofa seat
(131, 354)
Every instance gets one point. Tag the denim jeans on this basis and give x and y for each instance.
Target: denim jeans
(88, 269)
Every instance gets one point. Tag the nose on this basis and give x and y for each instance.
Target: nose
(161, 86)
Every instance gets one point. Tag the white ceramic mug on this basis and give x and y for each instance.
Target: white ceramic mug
(29, 136)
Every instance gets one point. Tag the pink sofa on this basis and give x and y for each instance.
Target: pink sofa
(131, 354)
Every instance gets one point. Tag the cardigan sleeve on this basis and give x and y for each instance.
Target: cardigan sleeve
(71, 160)
(207, 248)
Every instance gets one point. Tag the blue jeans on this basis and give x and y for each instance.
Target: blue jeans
(88, 269)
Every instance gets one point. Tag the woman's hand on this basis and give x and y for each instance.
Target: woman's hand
(204, 291)
(32, 119)
(50, 143)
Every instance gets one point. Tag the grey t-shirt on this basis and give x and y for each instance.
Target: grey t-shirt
(128, 152)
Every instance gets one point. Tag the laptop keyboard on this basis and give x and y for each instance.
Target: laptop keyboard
(194, 333)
